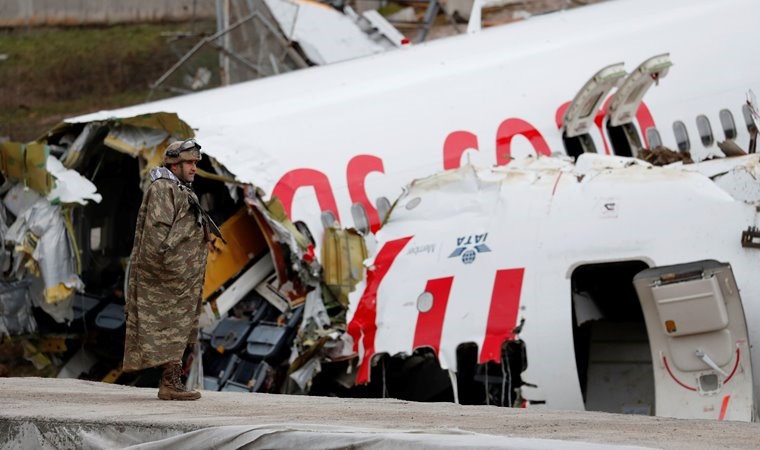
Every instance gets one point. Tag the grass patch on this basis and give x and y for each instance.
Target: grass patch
(53, 73)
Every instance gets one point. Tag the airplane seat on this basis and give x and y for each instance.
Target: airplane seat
(248, 376)
(111, 318)
(268, 339)
(229, 334)
(217, 370)
(86, 308)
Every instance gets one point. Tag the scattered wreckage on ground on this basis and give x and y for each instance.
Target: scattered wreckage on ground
(278, 319)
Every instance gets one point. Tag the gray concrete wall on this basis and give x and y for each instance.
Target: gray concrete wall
(17, 13)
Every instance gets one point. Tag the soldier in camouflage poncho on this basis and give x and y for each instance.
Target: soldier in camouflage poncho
(167, 270)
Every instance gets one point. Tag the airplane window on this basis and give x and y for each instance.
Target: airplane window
(747, 112)
(705, 130)
(653, 137)
(728, 124)
(361, 220)
(682, 136)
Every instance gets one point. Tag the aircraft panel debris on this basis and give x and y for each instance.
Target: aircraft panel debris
(325, 35)
(132, 140)
(16, 316)
(245, 243)
(43, 248)
(70, 186)
(751, 237)
(26, 163)
(262, 38)
(592, 163)
(383, 27)
(235, 292)
(343, 254)
(662, 156)
(736, 175)
(79, 364)
(742, 183)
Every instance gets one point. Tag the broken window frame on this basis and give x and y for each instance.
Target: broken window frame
(748, 120)
(653, 137)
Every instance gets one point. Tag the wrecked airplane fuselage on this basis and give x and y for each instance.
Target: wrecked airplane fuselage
(544, 253)
(506, 286)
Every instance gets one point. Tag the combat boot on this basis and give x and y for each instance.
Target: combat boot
(171, 388)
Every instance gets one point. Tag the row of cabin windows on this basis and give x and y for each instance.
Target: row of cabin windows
(704, 128)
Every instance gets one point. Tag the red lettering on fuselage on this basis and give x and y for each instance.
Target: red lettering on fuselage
(455, 145)
(458, 142)
(286, 188)
(517, 127)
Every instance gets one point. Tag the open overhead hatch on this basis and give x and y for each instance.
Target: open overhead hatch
(580, 114)
(623, 106)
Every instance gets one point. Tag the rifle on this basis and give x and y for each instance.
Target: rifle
(202, 216)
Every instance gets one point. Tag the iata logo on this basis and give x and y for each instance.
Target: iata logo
(468, 247)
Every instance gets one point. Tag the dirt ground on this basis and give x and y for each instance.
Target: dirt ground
(67, 401)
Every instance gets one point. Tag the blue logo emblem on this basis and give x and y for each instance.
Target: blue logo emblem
(468, 247)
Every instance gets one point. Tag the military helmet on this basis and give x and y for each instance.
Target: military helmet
(187, 150)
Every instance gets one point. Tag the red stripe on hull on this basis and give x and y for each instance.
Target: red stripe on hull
(430, 324)
(502, 316)
(363, 326)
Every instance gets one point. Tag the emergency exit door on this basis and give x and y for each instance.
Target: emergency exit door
(698, 339)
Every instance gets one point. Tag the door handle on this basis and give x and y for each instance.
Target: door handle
(707, 360)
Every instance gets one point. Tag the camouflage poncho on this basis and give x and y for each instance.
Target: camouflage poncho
(165, 280)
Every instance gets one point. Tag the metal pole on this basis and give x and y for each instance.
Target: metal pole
(226, 44)
(198, 46)
(430, 13)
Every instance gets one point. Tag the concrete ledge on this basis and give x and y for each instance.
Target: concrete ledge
(66, 413)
